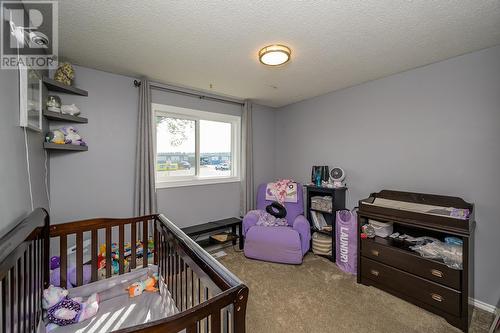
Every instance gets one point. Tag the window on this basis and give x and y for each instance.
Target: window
(195, 147)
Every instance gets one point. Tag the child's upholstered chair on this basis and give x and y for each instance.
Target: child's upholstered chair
(278, 244)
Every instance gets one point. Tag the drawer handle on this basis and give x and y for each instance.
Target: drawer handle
(374, 272)
(437, 273)
(437, 297)
(375, 253)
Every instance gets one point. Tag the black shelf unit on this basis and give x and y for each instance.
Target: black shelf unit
(56, 116)
(338, 203)
(53, 85)
(68, 147)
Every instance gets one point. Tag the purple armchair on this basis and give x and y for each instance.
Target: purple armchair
(278, 244)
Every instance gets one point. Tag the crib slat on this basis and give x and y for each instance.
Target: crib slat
(35, 280)
(145, 243)
(215, 321)
(191, 328)
(12, 300)
(94, 253)
(108, 252)
(133, 241)
(186, 284)
(20, 283)
(79, 258)
(25, 292)
(192, 288)
(155, 240)
(121, 249)
(181, 284)
(63, 253)
(30, 283)
(4, 304)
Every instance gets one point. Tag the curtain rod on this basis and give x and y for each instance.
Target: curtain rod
(137, 83)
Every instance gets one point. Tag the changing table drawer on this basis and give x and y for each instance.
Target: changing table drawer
(431, 293)
(411, 263)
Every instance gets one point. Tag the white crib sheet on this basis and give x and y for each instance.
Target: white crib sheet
(116, 309)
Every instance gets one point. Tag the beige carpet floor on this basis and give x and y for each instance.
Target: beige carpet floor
(318, 297)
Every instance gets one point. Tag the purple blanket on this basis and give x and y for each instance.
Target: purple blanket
(267, 220)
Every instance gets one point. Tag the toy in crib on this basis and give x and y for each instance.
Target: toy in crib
(62, 310)
(137, 288)
(101, 259)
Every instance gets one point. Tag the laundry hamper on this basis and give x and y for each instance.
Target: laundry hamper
(346, 244)
(321, 244)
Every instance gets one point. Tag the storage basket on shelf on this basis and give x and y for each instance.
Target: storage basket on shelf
(322, 244)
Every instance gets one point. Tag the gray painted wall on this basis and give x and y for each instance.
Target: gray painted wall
(435, 129)
(15, 202)
(100, 182)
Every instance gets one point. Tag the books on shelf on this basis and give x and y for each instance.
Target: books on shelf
(318, 220)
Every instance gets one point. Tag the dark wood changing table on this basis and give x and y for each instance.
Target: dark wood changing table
(391, 266)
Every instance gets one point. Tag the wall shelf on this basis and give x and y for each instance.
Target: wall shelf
(69, 147)
(56, 116)
(53, 85)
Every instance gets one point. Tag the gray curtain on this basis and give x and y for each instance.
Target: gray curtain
(145, 193)
(247, 182)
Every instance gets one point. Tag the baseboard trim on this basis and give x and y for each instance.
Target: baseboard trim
(482, 305)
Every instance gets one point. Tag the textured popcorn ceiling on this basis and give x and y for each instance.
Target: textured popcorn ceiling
(335, 44)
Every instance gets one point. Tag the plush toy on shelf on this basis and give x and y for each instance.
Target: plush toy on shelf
(65, 135)
(72, 137)
(55, 136)
(62, 310)
(137, 288)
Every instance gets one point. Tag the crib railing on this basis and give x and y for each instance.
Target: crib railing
(209, 297)
(23, 275)
(98, 230)
(197, 282)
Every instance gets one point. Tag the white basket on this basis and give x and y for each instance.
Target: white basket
(382, 229)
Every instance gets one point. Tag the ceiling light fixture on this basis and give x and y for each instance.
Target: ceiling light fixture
(274, 55)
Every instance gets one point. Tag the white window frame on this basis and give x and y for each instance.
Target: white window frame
(197, 115)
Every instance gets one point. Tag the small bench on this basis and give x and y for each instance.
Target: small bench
(219, 225)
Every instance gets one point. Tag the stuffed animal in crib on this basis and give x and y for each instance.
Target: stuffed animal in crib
(139, 287)
(62, 310)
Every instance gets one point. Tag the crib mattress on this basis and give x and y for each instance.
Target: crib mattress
(116, 309)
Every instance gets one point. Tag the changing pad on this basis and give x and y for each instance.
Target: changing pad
(116, 309)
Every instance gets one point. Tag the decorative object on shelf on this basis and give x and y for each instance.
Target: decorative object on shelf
(55, 136)
(71, 109)
(65, 135)
(322, 171)
(65, 74)
(72, 137)
(337, 176)
(368, 231)
(53, 103)
(30, 99)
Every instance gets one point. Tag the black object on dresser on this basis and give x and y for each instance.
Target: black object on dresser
(337, 196)
(390, 265)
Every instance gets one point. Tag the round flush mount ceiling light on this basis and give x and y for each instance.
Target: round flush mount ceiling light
(274, 55)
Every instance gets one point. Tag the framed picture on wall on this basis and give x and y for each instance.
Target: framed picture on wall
(30, 99)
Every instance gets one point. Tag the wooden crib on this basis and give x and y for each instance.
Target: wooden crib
(209, 298)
